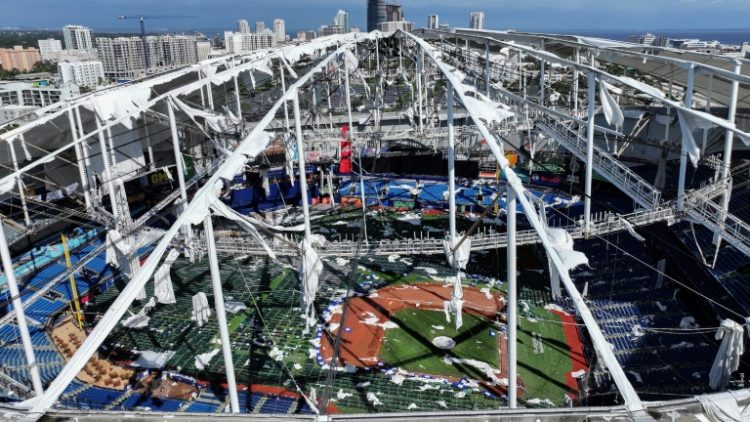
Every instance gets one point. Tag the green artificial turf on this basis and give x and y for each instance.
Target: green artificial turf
(543, 373)
(410, 346)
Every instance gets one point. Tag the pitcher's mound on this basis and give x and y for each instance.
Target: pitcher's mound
(443, 342)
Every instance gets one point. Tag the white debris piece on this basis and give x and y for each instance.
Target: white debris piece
(204, 358)
(373, 399)
(201, 310)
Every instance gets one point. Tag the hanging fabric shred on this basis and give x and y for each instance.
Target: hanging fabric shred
(223, 210)
(310, 269)
(457, 260)
(612, 112)
(688, 125)
(728, 358)
(562, 244)
(264, 178)
(163, 289)
(141, 319)
(24, 148)
(201, 310)
(631, 230)
(460, 257)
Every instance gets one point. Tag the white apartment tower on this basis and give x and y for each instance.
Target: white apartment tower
(279, 30)
(477, 20)
(236, 42)
(49, 47)
(123, 58)
(342, 21)
(204, 50)
(89, 73)
(77, 37)
(433, 21)
(260, 27)
(243, 26)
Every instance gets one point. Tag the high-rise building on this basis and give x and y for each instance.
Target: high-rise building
(392, 26)
(646, 39)
(260, 27)
(243, 26)
(19, 58)
(90, 73)
(279, 30)
(477, 20)
(177, 50)
(203, 48)
(394, 13)
(375, 14)
(326, 30)
(48, 48)
(19, 98)
(124, 57)
(77, 37)
(342, 21)
(306, 35)
(433, 21)
(236, 42)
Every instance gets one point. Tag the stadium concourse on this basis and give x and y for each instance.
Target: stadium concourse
(443, 225)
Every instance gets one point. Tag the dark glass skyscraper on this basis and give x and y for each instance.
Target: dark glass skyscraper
(375, 14)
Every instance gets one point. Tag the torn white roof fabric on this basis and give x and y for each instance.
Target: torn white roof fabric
(201, 310)
(728, 358)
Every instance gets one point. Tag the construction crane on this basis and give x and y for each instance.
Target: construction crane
(142, 19)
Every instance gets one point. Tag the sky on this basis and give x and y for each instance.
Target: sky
(541, 15)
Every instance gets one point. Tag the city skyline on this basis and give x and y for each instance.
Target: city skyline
(532, 15)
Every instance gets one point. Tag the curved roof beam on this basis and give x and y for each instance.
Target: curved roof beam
(632, 401)
(552, 58)
(39, 405)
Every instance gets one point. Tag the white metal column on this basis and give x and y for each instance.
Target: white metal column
(79, 159)
(237, 97)
(28, 350)
(729, 142)
(107, 171)
(180, 168)
(210, 94)
(301, 162)
(575, 83)
(19, 182)
(221, 315)
(149, 147)
(512, 308)
(487, 68)
(362, 193)
(683, 147)
(451, 165)
(84, 148)
(541, 78)
(589, 151)
(283, 89)
(420, 65)
(348, 93)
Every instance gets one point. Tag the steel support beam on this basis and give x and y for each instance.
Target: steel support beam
(107, 170)
(301, 163)
(589, 150)
(683, 149)
(23, 328)
(79, 160)
(221, 314)
(512, 309)
(188, 231)
(19, 183)
(451, 166)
